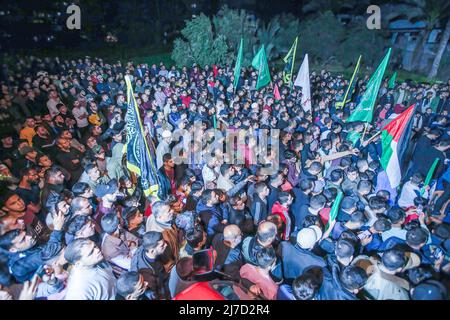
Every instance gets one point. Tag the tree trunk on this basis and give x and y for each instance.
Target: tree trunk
(440, 52)
(418, 50)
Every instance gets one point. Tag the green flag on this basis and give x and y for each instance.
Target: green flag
(353, 137)
(351, 86)
(237, 68)
(334, 209)
(260, 62)
(289, 59)
(429, 175)
(364, 110)
(392, 80)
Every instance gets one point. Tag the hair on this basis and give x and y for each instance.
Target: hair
(365, 186)
(194, 236)
(207, 195)
(336, 175)
(305, 287)
(344, 249)
(265, 257)
(150, 240)
(353, 277)
(393, 259)
(311, 220)
(224, 168)
(73, 250)
(166, 157)
(377, 203)
(416, 237)
(79, 188)
(358, 217)
(126, 283)
(330, 194)
(316, 166)
(306, 184)
(396, 215)
(110, 223)
(317, 202)
(76, 224)
(260, 186)
(382, 224)
(283, 196)
(418, 275)
(345, 162)
(90, 166)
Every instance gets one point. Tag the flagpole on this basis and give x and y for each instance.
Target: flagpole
(351, 82)
(293, 61)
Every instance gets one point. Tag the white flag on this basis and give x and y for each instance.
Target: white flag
(302, 80)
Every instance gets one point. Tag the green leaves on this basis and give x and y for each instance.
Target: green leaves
(200, 45)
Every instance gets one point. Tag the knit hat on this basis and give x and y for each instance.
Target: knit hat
(307, 237)
(429, 290)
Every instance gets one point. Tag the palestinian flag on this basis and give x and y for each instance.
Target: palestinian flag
(394, 141)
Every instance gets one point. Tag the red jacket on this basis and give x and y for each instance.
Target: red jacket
(283, 213)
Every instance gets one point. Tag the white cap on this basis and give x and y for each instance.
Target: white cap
(166, 134)
(307, 237)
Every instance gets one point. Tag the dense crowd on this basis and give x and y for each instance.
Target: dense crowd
(76, 224)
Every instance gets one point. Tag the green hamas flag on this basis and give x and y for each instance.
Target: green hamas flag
(364, 110)
(260, 62)
(289, 59)
(429, 176)
(334, 210)
(237, 68)
(392, 80)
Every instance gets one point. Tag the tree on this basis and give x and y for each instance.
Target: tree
(442, 46)
(267, 36)
(320, 37)
(360, 40)
(235, 24)
(429, 11)
(200, 45)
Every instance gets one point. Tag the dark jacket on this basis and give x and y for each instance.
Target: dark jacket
(295, 260)
(23, 265)
(228, 260)
(259, 210)
(211, 218)
(164, 184)
(332, 288)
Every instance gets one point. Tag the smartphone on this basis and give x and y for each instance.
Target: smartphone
(438, 253)
(364, 235)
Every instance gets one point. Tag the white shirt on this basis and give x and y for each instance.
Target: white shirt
(51, 105)
(86, 283)
(408, 194)
(77, 113)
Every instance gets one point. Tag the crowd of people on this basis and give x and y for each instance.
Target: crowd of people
(76, 224)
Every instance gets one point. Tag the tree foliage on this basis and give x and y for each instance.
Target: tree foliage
(360, 40)
(320, 38)
(199, 44)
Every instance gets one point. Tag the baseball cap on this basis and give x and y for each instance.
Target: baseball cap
(307, 237)
(104, 189)
(429, 290)
(413, 260)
